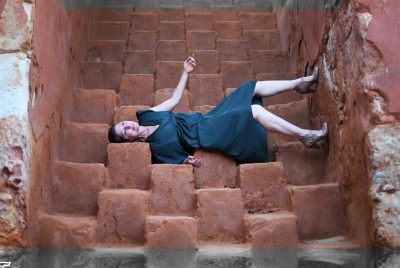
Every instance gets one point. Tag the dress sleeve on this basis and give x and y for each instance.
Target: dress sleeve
(169, 154)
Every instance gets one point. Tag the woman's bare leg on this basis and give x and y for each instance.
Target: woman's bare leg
(273, 87)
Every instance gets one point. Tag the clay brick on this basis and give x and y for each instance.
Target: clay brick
(129, 165)
(109, 30)
(142, 40)
(273, 230)
(258, 21)
(171, 50)
(144, 22)
(203, 109)
(94, 106)
(318, 209)
(232, 50)
(171, 14)
(224, 14)
(228, 30)
(166, 93)
(101, 75)
(220, 214)
(140, 62)
(168, 73)
(127, 113)
(217, 170)
(109, 14)
(234, 73)
(171, 30)
(207, 61)
(76, 187)
(66, 231)
(176, 232)
(200, 40)
(85, 143)
(105, 51)
(262, 40)
(229, 90)
(122, 215)
(270, 61)
(137, 89)
(172, 189)
(311, 161)
(206, 89)
(264, 186)
(198, 21)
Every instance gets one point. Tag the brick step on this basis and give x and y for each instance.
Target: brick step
(206, 89)
(228, 30)
(303, 166)
(67, 231)
(101, 75)
(270, 61)
(207, 61)
(128, 113)
(84, 143)
(140, 62)
(234, 73)
(262, 39)
(171, 50)
(94, 106)
(200, 40)
(168, 74)
(196, 21)
(172, 190)
(75, 187)
(232, 50)
(174, 232)
(271, 230)
(337, 242)
(136, 89)
(108, 14)
(144, 21)
(258, 21)
(100, 50)
(122, 215)
(264, 187)
(170, 14)
(318, 209)
(164, 94)
(225, 14)
(109, 30)
(171, 30)
(142, 40)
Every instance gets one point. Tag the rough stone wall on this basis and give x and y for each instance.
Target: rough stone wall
(354, 45)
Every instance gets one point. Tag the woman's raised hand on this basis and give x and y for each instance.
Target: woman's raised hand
(196, 162)
(189, 64)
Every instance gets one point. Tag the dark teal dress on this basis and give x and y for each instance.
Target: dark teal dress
(228, 128)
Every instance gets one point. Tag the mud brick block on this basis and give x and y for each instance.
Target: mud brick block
(166, 93)
(140, 62)
(174, 232)
(235, 73)
(200, 40)
(109, 30)
(129, 165)
(142, 40)
(122, 215)
(203, 109)
(105, 51)
(75, 187)
(108, 14)
(262, 39)
(127, 113)
(270, 61)
(85, 143)
(67, 231)
(223, 14)
(318, 209)
(207, 61)
(144, 22)
(273, 230)
(174, 50)
(137, 89)
(232, 50)
(198, 21)
(206, 89)
(171, 14)
(168, 73)
(172, 189)
(229, 90)
(101, 75)
(311, 161)
(258, 21)
(220, 215)
(228, 30)
(94, 106)
(264, 186)
(171, 30)
(217, 170)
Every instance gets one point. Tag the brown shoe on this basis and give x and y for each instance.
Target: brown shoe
(304, 86)
(310, 140)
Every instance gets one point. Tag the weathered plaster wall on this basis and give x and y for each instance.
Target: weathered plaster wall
(354, 45)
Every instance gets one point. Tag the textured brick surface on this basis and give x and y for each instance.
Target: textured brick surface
(94, 106)
(140, 62)
(166, 93)
(171, 30)
(200, 40)
(234, 73)
(225, 14)
(108, 14)
(168, 73)
(137, 89)
(198, 21)
(75, 187)
(101, 75)
(105, 50)
(172, 189)
(142, 40)
(262, 40)
(270, 61)
(220, 214)
(258, 21)
(144, 22)
(217, 170)
(203, 109)
(228, 30)
(206, 89)
(127, 113)
(171, 14)
(171, 232)
(109, 30)
(171, 50)
(121, 216)
(129, 165)
(207, 61)
(232, 50)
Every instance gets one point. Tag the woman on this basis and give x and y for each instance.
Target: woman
(235, 127)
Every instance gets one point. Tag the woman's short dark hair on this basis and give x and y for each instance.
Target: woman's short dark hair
(113, 137)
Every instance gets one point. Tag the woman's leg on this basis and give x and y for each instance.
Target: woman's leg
(270, 88)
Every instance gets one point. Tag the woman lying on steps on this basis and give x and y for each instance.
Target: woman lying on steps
(236, 126)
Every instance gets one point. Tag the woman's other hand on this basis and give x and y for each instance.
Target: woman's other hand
(196, 162)
(189, 64)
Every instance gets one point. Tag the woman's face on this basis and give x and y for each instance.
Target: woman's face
(128, 130)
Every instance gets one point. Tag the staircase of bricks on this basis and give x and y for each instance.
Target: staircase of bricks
(110, 195)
